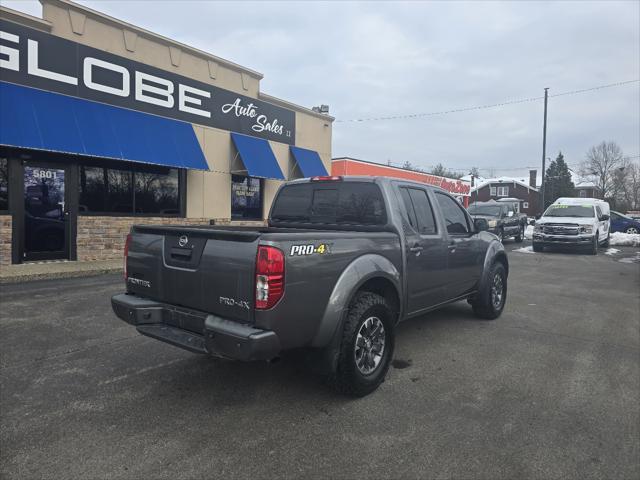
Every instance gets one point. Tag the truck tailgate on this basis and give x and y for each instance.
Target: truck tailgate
(205, 269)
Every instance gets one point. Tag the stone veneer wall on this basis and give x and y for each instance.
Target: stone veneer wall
(102, 238)
(5, 239)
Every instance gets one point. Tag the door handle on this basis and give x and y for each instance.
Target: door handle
(452, 247)
(416, 248)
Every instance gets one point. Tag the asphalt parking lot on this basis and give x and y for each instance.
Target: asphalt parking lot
(551, 389)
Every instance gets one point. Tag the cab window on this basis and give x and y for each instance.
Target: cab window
(454, 217)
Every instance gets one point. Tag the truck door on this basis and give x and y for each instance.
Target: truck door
(426, 251)
(511, 221)
(465, 252)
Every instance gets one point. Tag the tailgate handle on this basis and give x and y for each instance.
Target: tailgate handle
(181, 252)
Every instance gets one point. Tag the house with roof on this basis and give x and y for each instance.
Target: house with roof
(587, 189)
(526, 193)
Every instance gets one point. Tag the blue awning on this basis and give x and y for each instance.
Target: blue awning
(32, 118)
(309, 162)
(257, 157)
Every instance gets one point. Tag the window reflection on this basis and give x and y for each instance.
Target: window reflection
(114, 191)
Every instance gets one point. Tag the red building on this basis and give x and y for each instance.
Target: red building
(351, 166)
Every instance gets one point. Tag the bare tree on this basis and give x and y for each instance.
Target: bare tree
(600, 163)
(632, 191)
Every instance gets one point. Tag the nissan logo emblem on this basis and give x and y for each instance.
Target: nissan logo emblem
(183, 240)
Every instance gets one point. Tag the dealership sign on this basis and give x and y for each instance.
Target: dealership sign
(35, 59)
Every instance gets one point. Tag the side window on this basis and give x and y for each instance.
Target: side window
(454, 217)
(614, 216)
(424, 213)
(411, 215)
(598, 212)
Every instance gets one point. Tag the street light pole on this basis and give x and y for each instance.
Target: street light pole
(544, 149)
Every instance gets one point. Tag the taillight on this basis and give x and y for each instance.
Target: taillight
(126, 253)
(269, 277)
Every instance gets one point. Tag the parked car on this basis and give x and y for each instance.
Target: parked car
(341, 262)
(502, 219)
(624, 223)
(577, 222)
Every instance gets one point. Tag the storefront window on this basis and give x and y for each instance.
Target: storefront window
(4, 184)
(157, 193)
(111, 191)
(246, 198)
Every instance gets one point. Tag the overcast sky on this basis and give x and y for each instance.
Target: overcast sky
(369, 59)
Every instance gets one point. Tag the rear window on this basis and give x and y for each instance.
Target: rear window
(334, 203)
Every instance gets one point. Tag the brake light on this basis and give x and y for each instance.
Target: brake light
(126, 253)
(332, 178)
(269, 277)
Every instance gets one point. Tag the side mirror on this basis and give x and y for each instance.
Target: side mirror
(604, 217)
(481, 224)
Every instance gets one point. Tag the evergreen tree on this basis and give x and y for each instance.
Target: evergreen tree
(557, 181)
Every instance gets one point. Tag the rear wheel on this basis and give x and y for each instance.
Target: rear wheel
(631, 230)
(520, 236)
(490, 303)
(366, 348)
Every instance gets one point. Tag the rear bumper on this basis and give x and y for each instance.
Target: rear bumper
(196, 331)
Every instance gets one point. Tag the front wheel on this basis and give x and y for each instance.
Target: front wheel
(490, 303)
(593, 250)
(367, 346)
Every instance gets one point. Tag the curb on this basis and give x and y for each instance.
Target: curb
(30, 277)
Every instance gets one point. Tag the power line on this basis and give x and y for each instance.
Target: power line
(484, 107)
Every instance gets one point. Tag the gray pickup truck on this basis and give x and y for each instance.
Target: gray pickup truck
(341, 262)
(502, 217)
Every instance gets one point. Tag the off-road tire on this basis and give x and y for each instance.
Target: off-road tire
(520, 236)
(347, 378)
(482, 305)
(537, 247)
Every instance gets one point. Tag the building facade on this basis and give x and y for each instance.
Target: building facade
(587, 190)
(353, 166)
(505, 187)
(104, 125)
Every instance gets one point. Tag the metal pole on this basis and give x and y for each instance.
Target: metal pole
(544, 149)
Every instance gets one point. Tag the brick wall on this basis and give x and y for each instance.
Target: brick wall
(515, 191)
(102, 238)
(5, 239)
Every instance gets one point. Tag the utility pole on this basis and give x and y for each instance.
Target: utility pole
(544, 149)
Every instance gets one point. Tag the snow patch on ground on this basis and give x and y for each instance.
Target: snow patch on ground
(611, 251)
(635, 259)
(528, 232)
(627, 239)
(524, 250)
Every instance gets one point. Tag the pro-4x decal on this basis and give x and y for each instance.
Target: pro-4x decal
(310, 249)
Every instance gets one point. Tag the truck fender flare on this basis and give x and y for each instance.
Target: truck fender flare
(356, 274)
(495, 252)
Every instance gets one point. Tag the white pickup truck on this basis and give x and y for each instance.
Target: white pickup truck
(573, 222)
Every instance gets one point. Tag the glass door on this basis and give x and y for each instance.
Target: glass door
(45, 217)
